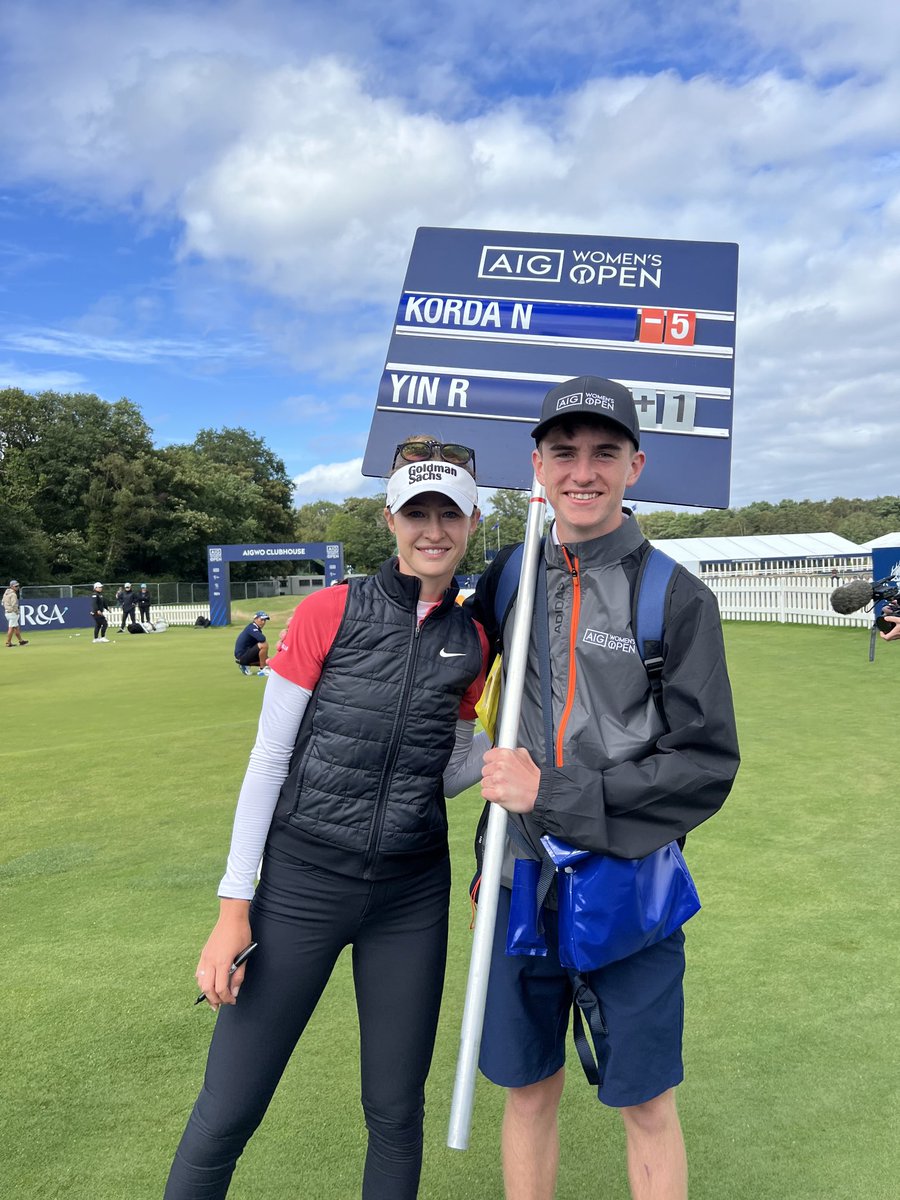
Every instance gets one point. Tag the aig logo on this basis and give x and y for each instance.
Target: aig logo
(521, 262)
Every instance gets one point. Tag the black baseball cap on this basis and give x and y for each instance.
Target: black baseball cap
(590, 396)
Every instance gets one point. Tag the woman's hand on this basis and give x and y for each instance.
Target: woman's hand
(230, 935)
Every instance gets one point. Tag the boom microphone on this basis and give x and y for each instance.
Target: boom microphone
(852, 596)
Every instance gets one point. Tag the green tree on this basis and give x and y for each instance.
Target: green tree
(53, 443)
(248, 457)
(70, 558)
(225, 486)
(67, 458)
(888, 509)
(861, 527)
(359, 523)
(311, 520)
(123, 508)
(510, 508)
(24, 548)
(203, 504)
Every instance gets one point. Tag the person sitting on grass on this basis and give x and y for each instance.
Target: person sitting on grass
(251, 648)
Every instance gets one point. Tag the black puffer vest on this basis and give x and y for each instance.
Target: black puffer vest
(364, 795)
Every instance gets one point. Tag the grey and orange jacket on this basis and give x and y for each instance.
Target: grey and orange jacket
(621, 780)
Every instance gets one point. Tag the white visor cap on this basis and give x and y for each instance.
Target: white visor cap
(415, 479)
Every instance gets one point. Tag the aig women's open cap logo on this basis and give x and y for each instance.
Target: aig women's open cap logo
(592, 396)
(587, 399)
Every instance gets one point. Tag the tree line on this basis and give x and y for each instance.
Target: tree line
(359, 524)
(84, 494)
(857, 520)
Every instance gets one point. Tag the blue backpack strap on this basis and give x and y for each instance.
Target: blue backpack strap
(507, 585)
(648, 616)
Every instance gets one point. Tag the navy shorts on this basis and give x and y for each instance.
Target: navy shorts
(250, 657)
(527, 1016)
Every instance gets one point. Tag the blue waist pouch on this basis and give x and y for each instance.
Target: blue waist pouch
(609, 908)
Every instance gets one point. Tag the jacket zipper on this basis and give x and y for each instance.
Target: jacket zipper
(572, 564)
(387, 771)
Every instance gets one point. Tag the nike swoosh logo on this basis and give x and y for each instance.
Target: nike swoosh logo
(444, 654)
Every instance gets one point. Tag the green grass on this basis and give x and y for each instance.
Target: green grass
(120, 766)
(279, 609)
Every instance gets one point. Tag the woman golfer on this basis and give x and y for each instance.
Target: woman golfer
(367, 719)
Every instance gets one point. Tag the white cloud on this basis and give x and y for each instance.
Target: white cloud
(334, 481)
(13, 376)
(303, 164)
(66, 343)
(828, 36)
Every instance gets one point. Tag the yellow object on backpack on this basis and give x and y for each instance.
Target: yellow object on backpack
(488, 706)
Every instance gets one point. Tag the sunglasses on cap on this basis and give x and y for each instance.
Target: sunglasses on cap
(421, 450)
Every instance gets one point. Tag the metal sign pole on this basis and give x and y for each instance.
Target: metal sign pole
(495, 837)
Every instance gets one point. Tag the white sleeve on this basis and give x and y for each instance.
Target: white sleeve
(284, 704)
(464, 767)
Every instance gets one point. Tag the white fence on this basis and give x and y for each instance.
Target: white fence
(790, 599)
(175, 614)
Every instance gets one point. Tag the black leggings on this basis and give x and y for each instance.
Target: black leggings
(100, 626)
(302, 917)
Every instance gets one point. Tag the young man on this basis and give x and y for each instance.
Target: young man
(251, 648)
(623, 781)
(12, 614)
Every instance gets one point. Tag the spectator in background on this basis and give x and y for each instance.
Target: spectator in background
(251, 648)
(11, 612)
(127, 599)
(99, 609)
(143, 602)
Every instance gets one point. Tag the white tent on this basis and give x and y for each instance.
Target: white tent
(757, 551)
(886, 539)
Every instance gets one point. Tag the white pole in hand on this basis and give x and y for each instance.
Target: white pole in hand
(516, 655)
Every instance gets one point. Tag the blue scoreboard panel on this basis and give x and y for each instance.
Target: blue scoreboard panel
(489, 321)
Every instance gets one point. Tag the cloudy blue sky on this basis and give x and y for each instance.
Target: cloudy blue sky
(208, 207)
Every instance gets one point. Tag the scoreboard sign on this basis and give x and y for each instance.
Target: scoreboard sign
(489, 321)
